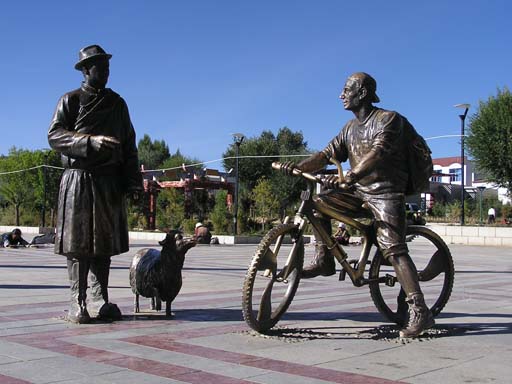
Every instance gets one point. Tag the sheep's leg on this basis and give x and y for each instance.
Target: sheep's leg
(168, 308)
(152, 306)
(136, 307)
(158, 303)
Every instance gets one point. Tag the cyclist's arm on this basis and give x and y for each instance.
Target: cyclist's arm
(313, 163)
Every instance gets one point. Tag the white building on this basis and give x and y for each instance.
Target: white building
(447, 171)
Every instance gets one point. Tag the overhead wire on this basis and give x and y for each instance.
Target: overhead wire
(162, 169)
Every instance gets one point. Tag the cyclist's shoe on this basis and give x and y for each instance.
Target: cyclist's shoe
(420, 317)
(322, 265)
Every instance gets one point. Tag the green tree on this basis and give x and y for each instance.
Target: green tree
(177, 159)
(252, 169)
(152, 153)
(266, 202)
(46, 191)
(489, 140)
(21, 186)
(170, 209)
(220, 216)
(283, 146)
(28, 190)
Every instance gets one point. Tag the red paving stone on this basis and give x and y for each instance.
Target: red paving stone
(31, 316)
(166, 370)
(166, 341)
(160, 342)
(12, 380)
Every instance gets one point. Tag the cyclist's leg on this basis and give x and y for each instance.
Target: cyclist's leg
(390, 233)
(323, 264)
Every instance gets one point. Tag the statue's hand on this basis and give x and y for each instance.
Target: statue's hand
(350, 178)
(102, 143)
(287, 167)
(331, 182)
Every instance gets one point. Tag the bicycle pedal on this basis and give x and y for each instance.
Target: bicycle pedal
(343, 274)
(390, 280)
(305, 195)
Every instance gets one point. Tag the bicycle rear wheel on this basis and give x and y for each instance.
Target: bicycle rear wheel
(434, 263)
(272, 278)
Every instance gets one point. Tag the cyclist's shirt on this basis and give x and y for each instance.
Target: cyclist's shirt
(376, 151)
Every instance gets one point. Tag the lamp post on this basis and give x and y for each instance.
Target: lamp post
(237, 138)
(462, 182)
(481, 190)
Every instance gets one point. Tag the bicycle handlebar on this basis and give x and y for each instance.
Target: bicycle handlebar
(315, 178)
(297, 172)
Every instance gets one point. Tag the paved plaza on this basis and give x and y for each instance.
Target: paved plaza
(332, 332)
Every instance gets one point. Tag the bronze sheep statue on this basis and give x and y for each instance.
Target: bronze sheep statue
(157, 274)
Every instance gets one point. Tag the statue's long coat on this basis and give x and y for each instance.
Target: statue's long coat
(91, 217)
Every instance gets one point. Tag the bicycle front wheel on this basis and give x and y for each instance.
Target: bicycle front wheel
(272, 277)
(434, 263)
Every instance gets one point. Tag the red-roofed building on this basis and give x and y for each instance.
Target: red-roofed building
(449, 170)
(189, 180)
(446, 183)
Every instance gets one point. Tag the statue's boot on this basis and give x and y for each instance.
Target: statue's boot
(419, 316)
(99, 306)
(322, 265)
(77, 272)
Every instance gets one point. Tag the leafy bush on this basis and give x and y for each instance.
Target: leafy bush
(220, 217)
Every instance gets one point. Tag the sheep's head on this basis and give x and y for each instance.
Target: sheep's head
(175, 243)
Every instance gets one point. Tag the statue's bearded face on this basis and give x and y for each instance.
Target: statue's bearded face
(351, 95)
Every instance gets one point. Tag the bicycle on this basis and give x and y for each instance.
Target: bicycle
(272, 280)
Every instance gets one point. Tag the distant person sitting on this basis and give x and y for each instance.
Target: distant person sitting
(491, 216)
(342, 236)
(13, 239)
(202, 234)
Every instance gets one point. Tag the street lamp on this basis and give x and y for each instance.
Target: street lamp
(462, 183)
(237, 138)
(481, 190)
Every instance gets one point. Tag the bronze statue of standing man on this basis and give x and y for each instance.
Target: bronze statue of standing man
(91, 128)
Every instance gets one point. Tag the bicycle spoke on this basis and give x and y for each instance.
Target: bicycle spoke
(265, 309)
(271, 282)
(268, 261)
(435, 272)
(436, 266)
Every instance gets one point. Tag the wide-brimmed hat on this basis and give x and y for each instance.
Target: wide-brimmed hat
(89, 53)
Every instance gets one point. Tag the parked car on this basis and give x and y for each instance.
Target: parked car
(414, 215)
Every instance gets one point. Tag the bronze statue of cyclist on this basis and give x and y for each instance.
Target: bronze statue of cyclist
(373, 143)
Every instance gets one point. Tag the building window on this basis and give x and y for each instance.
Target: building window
(437, 177)
(455, 174)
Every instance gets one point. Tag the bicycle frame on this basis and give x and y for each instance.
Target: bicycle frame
(306, 213)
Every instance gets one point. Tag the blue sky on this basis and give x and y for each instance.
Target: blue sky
(194, 72)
